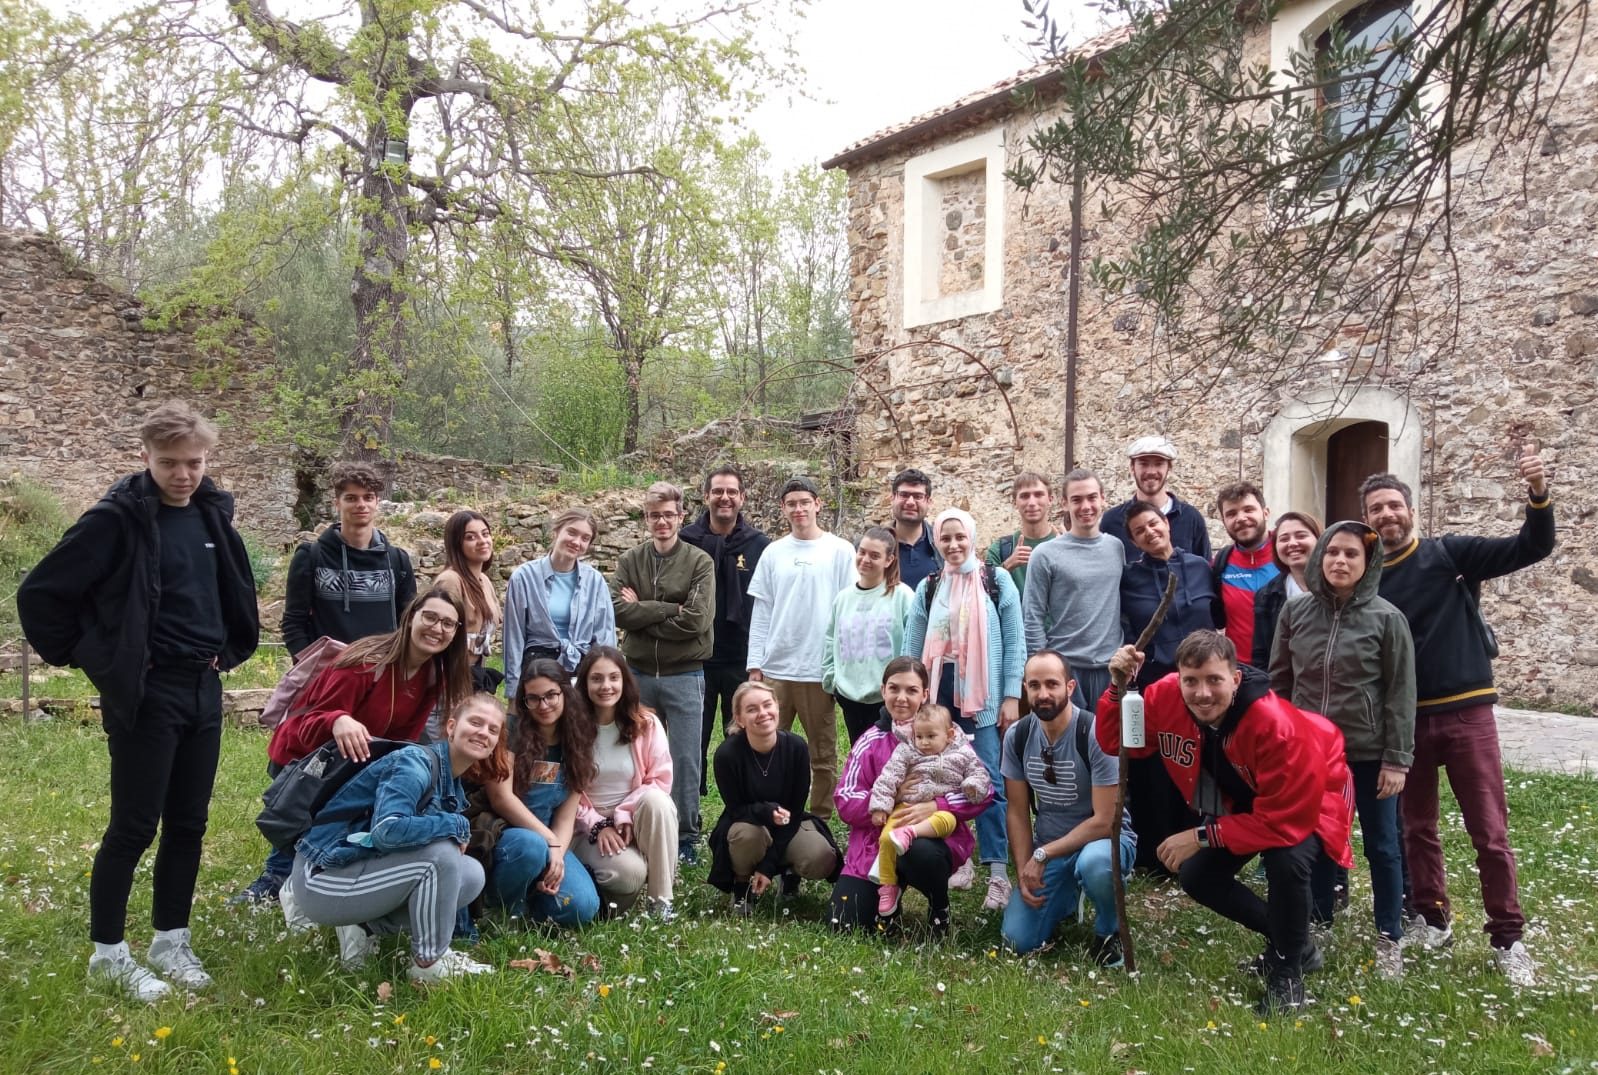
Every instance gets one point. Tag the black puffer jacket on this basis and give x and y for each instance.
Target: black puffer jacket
(92, 600)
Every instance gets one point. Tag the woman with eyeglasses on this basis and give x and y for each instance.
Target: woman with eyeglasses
(534, 871)
(384, 686)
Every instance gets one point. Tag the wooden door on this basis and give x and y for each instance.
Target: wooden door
(1353, 454)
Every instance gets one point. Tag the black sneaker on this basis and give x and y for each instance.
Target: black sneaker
(1283, 993)
(1259, 966)
(263, 889)
(1106, 951)
(687, 854)
(938, 923)
(789, 884)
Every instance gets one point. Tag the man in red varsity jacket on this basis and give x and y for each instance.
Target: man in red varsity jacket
(1265, 777)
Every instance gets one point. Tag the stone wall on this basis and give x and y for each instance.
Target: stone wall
(1523, 366)
(78, 374)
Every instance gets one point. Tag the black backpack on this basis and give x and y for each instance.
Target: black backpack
(990, 583)
(293, 803)
(1023, 736)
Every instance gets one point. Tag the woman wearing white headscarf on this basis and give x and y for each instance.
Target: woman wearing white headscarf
(965, 626)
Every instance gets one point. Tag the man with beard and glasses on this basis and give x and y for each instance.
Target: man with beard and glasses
(1054, 768)
(1150, 460)
(912, 508)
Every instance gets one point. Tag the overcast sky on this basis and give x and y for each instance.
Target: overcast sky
(873, 63)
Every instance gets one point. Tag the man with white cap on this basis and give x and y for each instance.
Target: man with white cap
(1151, 459)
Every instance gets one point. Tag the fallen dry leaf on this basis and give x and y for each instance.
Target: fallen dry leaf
(385, 992)
(546, 961)
(590, 963)
(777, 1017)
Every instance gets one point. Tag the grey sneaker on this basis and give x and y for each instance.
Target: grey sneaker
(1515, 964)
(355, 946)
(1421, 932)
(1389, 958)
(123, 971)
(452, 964)
(172, 956)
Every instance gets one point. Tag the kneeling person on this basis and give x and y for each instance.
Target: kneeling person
(1266, 778)
(1052, 762)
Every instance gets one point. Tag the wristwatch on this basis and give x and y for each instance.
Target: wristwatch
(1202, 835)
(1040, 855)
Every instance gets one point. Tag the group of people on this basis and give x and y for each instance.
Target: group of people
(1298, 674)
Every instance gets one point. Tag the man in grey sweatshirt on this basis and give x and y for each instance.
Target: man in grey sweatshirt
(1072, 601)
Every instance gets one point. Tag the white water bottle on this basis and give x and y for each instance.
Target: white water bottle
(1131, 718)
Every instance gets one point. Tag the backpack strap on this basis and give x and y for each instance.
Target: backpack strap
(1007, 545)
(1084, 722)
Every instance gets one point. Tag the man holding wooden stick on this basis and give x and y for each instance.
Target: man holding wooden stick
(1265, 777)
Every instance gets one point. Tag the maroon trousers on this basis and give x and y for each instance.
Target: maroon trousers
(1465, 742)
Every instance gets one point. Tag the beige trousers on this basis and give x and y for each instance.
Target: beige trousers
(813, 706)
(809, 854)
(649, 861)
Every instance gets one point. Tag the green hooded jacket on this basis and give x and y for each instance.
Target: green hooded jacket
(1353, 662)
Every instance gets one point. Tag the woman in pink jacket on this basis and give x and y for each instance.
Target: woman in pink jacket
(928, 863)
(626, 832)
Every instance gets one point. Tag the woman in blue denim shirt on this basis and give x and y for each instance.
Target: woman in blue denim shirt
(535, 872)
(401, 866)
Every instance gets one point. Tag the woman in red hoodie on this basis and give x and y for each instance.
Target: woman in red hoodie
(383, 686)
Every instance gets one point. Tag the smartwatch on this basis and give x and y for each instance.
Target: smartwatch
(1040, 855)
(1202, 834)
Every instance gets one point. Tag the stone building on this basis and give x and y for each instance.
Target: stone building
(79, 372)
(958, 303)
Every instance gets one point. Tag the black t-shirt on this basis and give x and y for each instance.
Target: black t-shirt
(188, 618)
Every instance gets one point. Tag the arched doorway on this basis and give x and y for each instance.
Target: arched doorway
(1353, 453)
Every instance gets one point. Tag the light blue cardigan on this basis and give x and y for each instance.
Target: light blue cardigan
(527, 618)
(1006, 642)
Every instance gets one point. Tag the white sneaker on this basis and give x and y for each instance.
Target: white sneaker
(293, 917)
(998, 897)
(1421, 932)
(355, 946)
(964, 876)
(171, 955)
(451, 964)
(1389, 958)
(120, 969)
(1515, 964)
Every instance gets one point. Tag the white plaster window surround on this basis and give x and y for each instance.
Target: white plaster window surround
(1294, 443)
(924, 230)
(1298, 25)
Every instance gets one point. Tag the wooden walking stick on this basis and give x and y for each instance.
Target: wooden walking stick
(1123, 768)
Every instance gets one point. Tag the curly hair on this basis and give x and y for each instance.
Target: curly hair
(574, 732)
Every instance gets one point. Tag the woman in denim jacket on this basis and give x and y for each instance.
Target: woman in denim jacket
(401, 866)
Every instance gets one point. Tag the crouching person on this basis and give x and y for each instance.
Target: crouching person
(763, 776)
(1265, 777)
(394, 861)
(1052, 761)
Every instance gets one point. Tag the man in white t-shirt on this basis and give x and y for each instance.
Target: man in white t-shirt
(792, 590)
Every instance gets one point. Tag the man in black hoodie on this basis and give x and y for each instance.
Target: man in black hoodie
(151, 594)
(1436, 583)
(734, 546)
(350, 583)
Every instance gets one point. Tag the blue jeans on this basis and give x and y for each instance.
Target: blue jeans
(1091, 683)
(520, 858)
(679, 702)
(1027, 928)
(1378, 825)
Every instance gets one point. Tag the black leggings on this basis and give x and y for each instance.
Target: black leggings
(1210, 877)
(720, 681)
(162, 769)
(925, 867)
(858, 716)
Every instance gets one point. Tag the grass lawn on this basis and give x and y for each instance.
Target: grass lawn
(778, 993)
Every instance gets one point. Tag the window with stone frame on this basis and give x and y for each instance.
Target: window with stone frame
(1363, 71)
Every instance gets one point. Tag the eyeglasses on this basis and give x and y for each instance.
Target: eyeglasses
(912, 496)
(660, 516)
(725, 494)
(1048, 763)
(543, 701)
(434, 619)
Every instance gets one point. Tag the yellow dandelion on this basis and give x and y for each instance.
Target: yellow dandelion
(993, 953)
(1298, 1024)
(135, 1058)
(116, 1042)
(232, 1063)
(777, 1029)
(604, 990)
(1085, 1003)
(162, 1033)
(434, 1062)
(1209, 1024)
(721, 1065)
(1354, 1000)
(1261, 1026)
(1042, 1040)
(232, 1071)
(430, 1040)
(399, 1020)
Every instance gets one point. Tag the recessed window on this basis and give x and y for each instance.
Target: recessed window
(954, 230)
(1362, 70)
